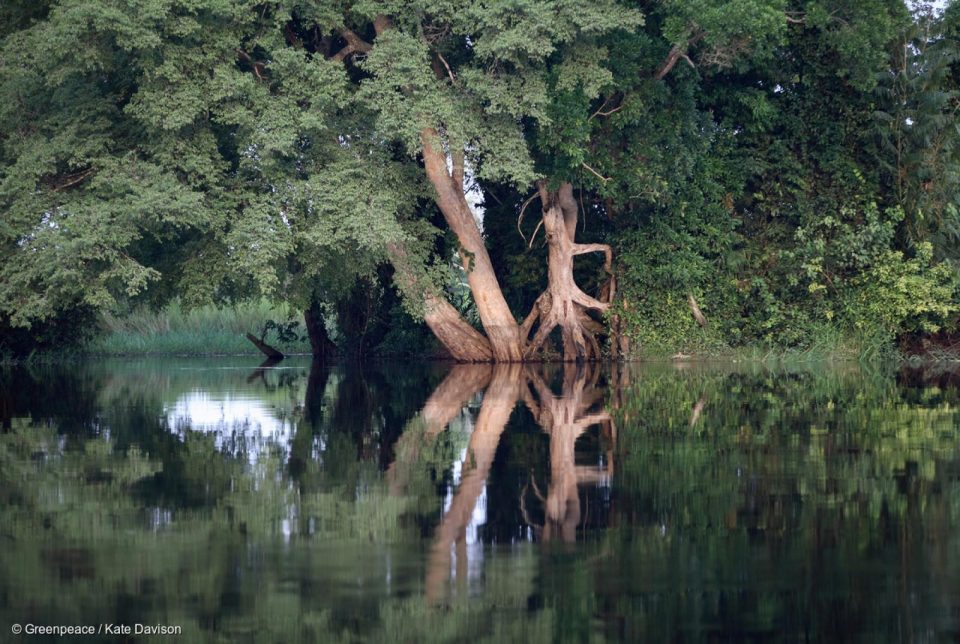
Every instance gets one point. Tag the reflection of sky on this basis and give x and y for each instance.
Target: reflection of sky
(464, 423)
(241, 423)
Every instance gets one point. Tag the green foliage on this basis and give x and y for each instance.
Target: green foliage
(918, 138)
(798, 235)
(752, 154)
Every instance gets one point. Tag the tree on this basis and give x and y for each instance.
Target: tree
(222, 148)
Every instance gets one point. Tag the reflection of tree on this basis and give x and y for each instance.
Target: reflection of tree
(498, 402)
(565, 418)
(444, 404)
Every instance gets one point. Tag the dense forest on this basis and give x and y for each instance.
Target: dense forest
(514, 179)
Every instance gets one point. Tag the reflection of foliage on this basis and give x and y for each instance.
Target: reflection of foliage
(786, 478)
(743, 504)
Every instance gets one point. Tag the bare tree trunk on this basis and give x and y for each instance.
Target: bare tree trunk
(498, 322)
(462, 341)
(563, 304)
(265, 349)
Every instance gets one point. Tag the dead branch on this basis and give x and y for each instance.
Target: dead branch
(599, 176)
(695, 309)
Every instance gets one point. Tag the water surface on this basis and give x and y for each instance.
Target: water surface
(430, 503)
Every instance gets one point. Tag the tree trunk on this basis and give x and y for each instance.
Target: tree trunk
(462, 341)
(563, 304)
(320, 344)
(265, 349)
(499, 324)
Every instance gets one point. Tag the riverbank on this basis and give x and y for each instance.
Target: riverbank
(211, 331)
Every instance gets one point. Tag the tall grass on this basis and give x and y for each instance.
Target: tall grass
(206, 330)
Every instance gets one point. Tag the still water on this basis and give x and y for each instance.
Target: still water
(421, 503)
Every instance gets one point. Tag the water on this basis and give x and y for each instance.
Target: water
(415, 503)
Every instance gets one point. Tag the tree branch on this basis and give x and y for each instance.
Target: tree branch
(601, 112)
(453, 79)
(581, 249)
(676, 53)
(355, 44)
(73, 179)
(256, 66)
(598, 175)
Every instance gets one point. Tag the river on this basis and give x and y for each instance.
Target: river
(423, 502)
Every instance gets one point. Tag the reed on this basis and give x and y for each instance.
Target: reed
(205, 330)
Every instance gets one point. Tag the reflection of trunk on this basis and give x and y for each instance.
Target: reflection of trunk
(565, 418)
(498, 402)
(261, 371)
(563, 304)
(301, 447)
(320, 344)
(444, 404)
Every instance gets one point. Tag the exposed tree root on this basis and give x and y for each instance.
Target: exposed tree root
(564, 304)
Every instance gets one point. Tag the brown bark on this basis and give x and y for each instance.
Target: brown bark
(677, 53)
(499, 324)
(462, 341)
(355, 44)
(695, 309)
(563, 304)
